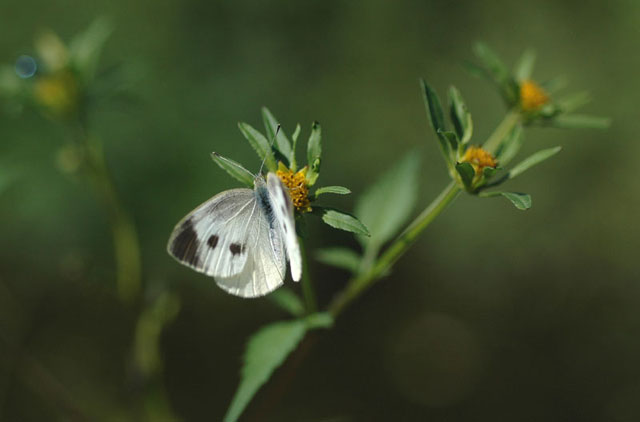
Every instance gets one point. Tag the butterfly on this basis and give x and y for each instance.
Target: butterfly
(242, 238)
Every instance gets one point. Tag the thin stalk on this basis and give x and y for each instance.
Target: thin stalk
(502, 130)
(359, 284)
(125, 238)
(308, 293)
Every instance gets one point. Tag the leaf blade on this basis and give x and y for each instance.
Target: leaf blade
(343, 258)
(532, 160)
(337, 190)
(260, 144)
(521, 201)
(234, 169)
(342, 220)
(281, 141)
(314, 153)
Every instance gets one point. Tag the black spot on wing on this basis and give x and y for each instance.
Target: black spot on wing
(185, 245)
(213, 241)
(236, 248)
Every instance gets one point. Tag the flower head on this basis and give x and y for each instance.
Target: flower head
(479, 159)
(532, 96)
(297, 184)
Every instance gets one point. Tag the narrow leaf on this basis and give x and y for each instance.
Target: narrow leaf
(343, 258)
(434, 109)
(260, 144)
(85, 48)
(498, 72)
(573, 102)
(287, 300)
(532, 160)
(580, 121)
(341, 220)
(314, 153)
(319, 320)
(234, 169)
(522, 201)
(267, 349)
(338, 190)
(452, 140)
(524, 67)
(466, 172)
(388, 203)
(460, 116)
(282, 143)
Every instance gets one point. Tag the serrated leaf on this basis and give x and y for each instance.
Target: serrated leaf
(234, 169)
(387, 204)
(314, 153)
(460, 116)
(288, 301)
(260, 144)
(510, 146)
(85, 48)
(341, 220)
(282, 143)
(467, 173)
(338, 190)
(580, 121)
(524, 67)
(267, 350)
(532, 160)
(522, 201)
(436, 119)
(343, 258)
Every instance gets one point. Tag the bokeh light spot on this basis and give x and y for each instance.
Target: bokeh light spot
(26, 66)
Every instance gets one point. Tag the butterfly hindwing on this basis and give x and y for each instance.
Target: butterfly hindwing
(284, 219)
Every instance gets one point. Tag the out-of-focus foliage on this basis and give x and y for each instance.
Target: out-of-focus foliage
(493, 316)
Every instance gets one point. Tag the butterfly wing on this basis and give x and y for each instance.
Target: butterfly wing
(284, 219)
(230, 237)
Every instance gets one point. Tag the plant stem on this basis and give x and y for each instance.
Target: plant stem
(359, 284)
(125, 239)
(307, 285)
(502, 130)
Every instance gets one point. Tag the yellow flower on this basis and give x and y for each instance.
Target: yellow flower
(479, 159)
(297, 184)
(57, 93)
(532, 96)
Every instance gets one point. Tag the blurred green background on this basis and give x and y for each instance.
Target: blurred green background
(496, 314)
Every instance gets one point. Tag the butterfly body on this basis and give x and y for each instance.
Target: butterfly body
(242, 238)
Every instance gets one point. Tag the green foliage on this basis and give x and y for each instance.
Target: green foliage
(86, 47)
(494, 69)
(467, 174)
(341, 220)
(460, 116)
(387, 204)
(234, 169)
(580, 121)
(532, 160)
(435, 116)
(342, 258)
(521, 201)
(267, 349)
(288, 301)
(282, 144)
(314, 153)
(260, 144)
(524, 67)
(338, 190)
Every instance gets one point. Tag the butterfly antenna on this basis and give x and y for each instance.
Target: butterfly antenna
(273, 140)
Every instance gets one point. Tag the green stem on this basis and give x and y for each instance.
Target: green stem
(504, 128)
(308, 294)
(359, 284)
(125, 239)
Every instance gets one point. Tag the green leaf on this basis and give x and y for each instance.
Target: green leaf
(85, 48)
(314, 153)
(532, 160)
(524, 67)
(467, 173)
(260, 144)
(522, 201)
(460, 116)
(489, 172)
(387, 204)
(436, 118)
(451, 138)
(510, 146)
(267, 350)
(234, 169)
(343, 258)
(281, 141)
(580, 121)
(498, 72)
(296, 134)
(573, 102)
(341, 220)
(338, 190)
(287, 300)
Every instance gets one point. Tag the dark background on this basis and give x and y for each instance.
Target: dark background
(495, 314)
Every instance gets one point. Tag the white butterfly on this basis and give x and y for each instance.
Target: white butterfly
(240, 237)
